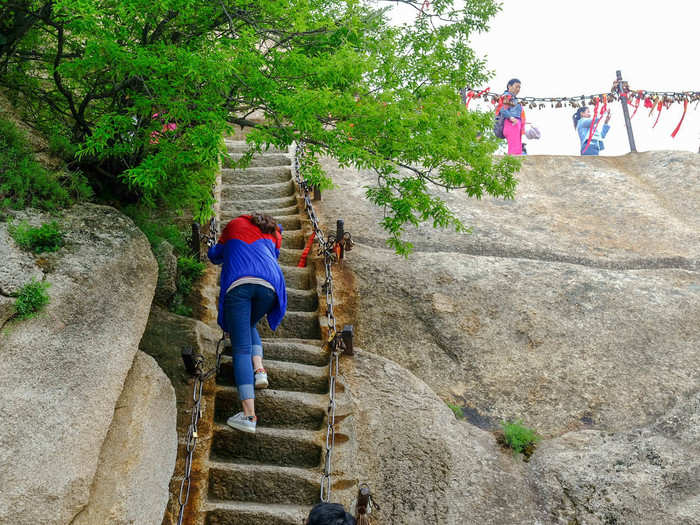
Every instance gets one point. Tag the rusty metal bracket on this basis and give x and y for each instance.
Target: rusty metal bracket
(346, 336)
(365, 503)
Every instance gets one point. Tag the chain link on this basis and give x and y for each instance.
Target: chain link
(200, 377)
(334, 343)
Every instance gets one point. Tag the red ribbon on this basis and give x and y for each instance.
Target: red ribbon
(685, 108)
(661, 106)
(469, 98)
(591, 128)
(472, 95)
(636, 106)
(305, 253)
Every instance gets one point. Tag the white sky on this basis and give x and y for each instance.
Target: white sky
(568, 48)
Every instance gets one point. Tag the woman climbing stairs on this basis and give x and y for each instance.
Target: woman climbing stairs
(272, 477)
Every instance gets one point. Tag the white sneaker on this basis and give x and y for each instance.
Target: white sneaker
(242, 423)
(261, 379)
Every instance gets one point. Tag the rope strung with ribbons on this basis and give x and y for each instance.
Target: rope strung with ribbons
(653, 100)
(328, 248)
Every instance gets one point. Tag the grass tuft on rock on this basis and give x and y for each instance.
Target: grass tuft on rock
(31, 299)
(46, 238)
(456, 409)
(519, 438)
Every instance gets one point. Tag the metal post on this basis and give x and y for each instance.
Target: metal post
(317, 193)
(194, 241)
(463, 95)
(625, 112)
(339, 234)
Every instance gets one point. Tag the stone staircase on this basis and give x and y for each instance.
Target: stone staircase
(272, 477)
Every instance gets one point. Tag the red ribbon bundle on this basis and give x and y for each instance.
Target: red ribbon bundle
(472, 95)
(660, 107)
(591, 128)
(685, 108)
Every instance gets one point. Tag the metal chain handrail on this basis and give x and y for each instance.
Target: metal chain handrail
(194, 363)
(334, 343)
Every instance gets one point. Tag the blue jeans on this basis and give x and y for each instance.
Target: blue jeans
(244, 306)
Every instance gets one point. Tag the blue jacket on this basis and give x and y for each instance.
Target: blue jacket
(583, 129)
(244, 251)
(514, 111)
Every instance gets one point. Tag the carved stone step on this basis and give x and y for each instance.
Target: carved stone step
(256, 191)
(266, 159)
(236, 206)
(302, 300)
(275, 408)
(293, 239)
(268, 175)
(284, 375)
(295, 324)
(289, 256)
(247, 513)
(298, 278)
(277, 446)
(305, 351)
(263, 483)
(240, 146)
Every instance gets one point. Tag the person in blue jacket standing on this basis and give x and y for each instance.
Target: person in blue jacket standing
(582, 124)
(252, 286)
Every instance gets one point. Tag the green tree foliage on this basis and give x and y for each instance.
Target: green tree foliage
(145, 88)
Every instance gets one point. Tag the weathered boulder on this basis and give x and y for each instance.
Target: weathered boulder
(165, 337)
(576, 304)
(138, 456)
(64, 370)
(423, 465)
(645, 475)
(18, 268)
(7, 309)
(167, 273)
(575, 307)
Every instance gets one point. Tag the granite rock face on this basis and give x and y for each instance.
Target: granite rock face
(167, 273)
(422, 464)
(644, 475)
(138, 456)
(64, 370)
(574, 307)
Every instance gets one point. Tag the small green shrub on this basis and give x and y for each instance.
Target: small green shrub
(182, 310)
(519, 437)
(46, 238)
(31, 299)
(157, 229)
(456, 409)
(189, 270)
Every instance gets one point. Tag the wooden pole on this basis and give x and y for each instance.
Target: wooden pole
(626, 113)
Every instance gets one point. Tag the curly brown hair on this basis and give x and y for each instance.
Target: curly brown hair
(265, 222)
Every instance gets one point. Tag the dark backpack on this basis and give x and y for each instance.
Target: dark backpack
(498, 126)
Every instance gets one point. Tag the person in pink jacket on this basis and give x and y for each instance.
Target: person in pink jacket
(514, 117)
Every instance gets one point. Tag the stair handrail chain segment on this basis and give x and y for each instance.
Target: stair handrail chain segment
(335, 343)
(194, 365)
